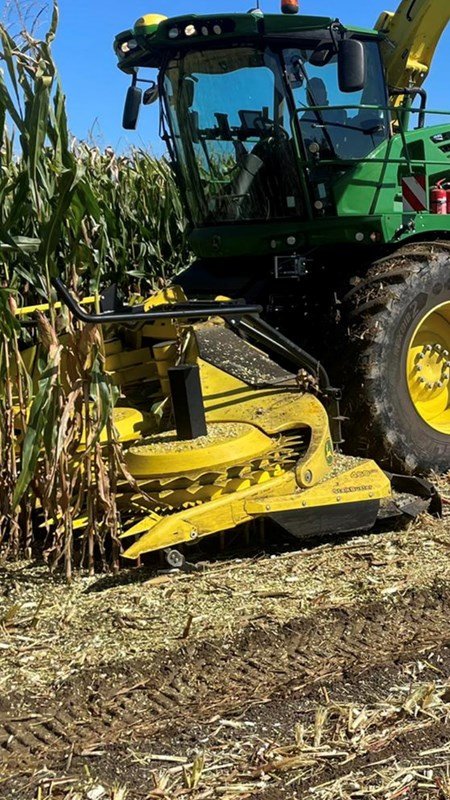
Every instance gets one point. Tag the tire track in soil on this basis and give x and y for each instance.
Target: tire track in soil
(200, 682)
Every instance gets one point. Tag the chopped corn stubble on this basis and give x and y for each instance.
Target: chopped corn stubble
(168, 442)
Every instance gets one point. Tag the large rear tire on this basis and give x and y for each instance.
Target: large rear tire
(397, 392)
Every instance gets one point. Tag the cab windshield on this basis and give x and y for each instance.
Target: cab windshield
(242, 119)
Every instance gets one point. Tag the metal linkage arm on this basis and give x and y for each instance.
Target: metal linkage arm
(270, 338)
(189, 310)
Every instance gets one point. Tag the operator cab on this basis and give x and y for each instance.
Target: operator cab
(261, 114)
(243, 119)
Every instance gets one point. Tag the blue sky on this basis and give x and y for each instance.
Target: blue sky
(95, 88)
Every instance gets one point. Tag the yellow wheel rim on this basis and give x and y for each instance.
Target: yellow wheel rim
(428, 369)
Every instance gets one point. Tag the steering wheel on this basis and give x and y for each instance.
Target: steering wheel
(270, 128)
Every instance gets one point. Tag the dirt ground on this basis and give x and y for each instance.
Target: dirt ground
(315, 673)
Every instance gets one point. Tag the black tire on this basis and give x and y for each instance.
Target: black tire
(383, 310)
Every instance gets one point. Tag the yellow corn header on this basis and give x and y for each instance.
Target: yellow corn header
(216, 433)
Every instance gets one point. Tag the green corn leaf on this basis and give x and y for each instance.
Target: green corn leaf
(32, 443)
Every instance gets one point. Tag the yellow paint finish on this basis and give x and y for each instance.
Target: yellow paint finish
(365, 482)
(160, 329)
(199, 493)
(168, 296)
(113, 346)
(248, 443)
(362, 483)
(127, 358)
(149, 21)
(43, 307)
(129, 424)
(273, 411)
(428, 369)
(219, 515)
(134, 374)
(163, 329)
(415, 30)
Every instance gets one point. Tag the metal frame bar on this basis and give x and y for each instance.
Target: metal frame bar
(399, 112)
(190, 310)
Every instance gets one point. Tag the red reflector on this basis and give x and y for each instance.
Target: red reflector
(289, 6)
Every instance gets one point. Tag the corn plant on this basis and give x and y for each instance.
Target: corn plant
(66, 209)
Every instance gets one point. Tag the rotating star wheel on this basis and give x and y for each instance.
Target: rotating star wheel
(231, 458)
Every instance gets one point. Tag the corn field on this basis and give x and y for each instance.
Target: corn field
(91, 217)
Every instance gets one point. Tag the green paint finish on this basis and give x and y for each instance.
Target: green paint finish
(368, 197)
(272, 238)
(152, 48)
(374, 186)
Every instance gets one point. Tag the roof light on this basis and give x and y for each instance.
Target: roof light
(148, 23)
(174, 33)
(289, 6)
(190, 30)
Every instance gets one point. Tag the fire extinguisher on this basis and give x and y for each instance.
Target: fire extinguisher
(440, 199)
(447, 188)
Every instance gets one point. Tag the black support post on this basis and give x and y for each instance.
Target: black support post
(187, 401)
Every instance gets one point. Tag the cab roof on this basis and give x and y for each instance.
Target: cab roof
(148, 46)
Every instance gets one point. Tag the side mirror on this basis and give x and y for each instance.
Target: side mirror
(188, 91)
(132, 108)
(351, 65)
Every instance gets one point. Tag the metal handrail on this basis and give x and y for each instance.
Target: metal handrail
(369, 159)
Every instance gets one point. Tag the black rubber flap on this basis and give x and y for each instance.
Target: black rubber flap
(323, 521)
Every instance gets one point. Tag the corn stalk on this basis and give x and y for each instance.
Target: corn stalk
(93, 217)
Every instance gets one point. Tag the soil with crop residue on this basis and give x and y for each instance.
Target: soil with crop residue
(266, 713)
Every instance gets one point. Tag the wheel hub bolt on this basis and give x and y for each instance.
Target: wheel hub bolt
(438, 385)
(421, 380)
(437, 348)
(420, 356)
(429, 385)
(427, 348)
(419, 368)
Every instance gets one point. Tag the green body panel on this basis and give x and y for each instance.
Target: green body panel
(261, 239)
(368, 196)
(375, 188)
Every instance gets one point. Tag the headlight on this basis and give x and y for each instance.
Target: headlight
(190, 30)
(174, 33)
(127, 46)
(217, 29)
